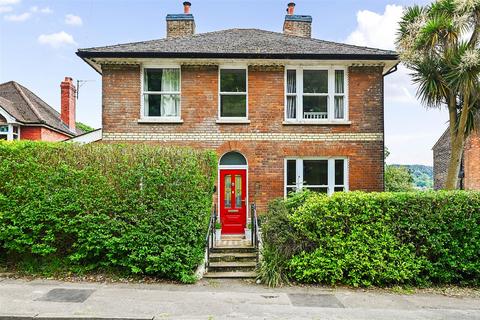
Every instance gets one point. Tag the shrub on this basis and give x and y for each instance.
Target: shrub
(134, 208)
(364, 239)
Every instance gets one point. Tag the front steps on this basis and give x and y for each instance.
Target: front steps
(232, 262)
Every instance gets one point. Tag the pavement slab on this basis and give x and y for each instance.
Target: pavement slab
(219, 299)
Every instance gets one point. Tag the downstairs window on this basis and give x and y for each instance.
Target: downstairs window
(317, 174)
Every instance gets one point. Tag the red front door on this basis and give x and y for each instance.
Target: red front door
(233, 207)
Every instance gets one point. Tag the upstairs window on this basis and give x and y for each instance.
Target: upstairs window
(161, 93)
(319, 175)
(315, 94)
(233, 93)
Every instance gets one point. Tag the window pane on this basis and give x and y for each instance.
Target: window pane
(238, 191)
(228, 191)
(167, 105)
(339, 172)
(339, 189)
(291, 172)
(315, 107)
(233, 80)
(291, 81)
(166, 80)
(339, 81)
(291, 190)
(3, 128)
(315, 81)
(15, 129)
(233, 106)
(318, 190)
(3, 137)
(291, 107)
(339, 107)
(315, 172)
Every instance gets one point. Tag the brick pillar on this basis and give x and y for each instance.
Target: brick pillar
(68, 91)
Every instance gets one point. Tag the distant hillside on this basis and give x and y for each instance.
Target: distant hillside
(422, 175)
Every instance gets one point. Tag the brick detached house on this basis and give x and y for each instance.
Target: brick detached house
(24, 116)
(282, 110)
(469, 178)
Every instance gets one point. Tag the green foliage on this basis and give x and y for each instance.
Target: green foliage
(134, 208)
(422, 175)
(84, 127)
(364, 239)
(398, 179)
(439, 43)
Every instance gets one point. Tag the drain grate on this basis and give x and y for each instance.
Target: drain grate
(315, 300)
(66, 295)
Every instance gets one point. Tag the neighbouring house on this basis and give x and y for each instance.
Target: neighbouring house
(25, 116)
(469, 177)
(87, 137)
(283, 111)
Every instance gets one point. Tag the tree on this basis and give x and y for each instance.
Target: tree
(439, 43)
(84, 127)
(397, 179)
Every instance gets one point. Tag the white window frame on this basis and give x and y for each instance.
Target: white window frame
(220, 93)
(331, 174)
(143, 93)
(330, 95)
(10, 134)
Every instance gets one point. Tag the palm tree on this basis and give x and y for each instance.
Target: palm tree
(440, 44)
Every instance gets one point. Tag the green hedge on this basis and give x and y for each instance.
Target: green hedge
(381, 239)
(134, 209)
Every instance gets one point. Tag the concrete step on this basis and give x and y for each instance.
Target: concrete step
(248, 266)
(233, 257)
(233, 250)
(231, 275)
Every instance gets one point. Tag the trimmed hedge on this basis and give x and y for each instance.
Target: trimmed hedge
(134, 209)
(364, 239)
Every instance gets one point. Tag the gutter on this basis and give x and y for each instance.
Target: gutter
(392, 70)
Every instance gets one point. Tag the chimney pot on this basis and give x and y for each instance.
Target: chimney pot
(186, 7)
(291, 8)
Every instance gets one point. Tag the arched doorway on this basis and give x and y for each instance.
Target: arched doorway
(233, 196)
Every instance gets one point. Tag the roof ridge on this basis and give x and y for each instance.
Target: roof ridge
(18, 87)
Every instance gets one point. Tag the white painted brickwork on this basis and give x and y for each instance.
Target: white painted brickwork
(214, 136)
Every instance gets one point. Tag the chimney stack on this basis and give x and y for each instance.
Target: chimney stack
(68, 92)
(180, 25)
(297, 25)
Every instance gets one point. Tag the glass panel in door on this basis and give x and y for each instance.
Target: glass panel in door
(238, 191)
(228, 191)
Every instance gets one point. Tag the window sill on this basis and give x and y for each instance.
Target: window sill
(224, 121)
(160, 121)
(317, 123)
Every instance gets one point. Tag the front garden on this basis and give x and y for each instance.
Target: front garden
(126, 209)
(380, 239)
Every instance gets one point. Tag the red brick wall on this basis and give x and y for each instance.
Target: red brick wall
(41, 134)
(199, 111)
(472, 162)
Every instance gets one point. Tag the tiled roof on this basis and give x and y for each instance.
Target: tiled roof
(238, 43)
(28, 108)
